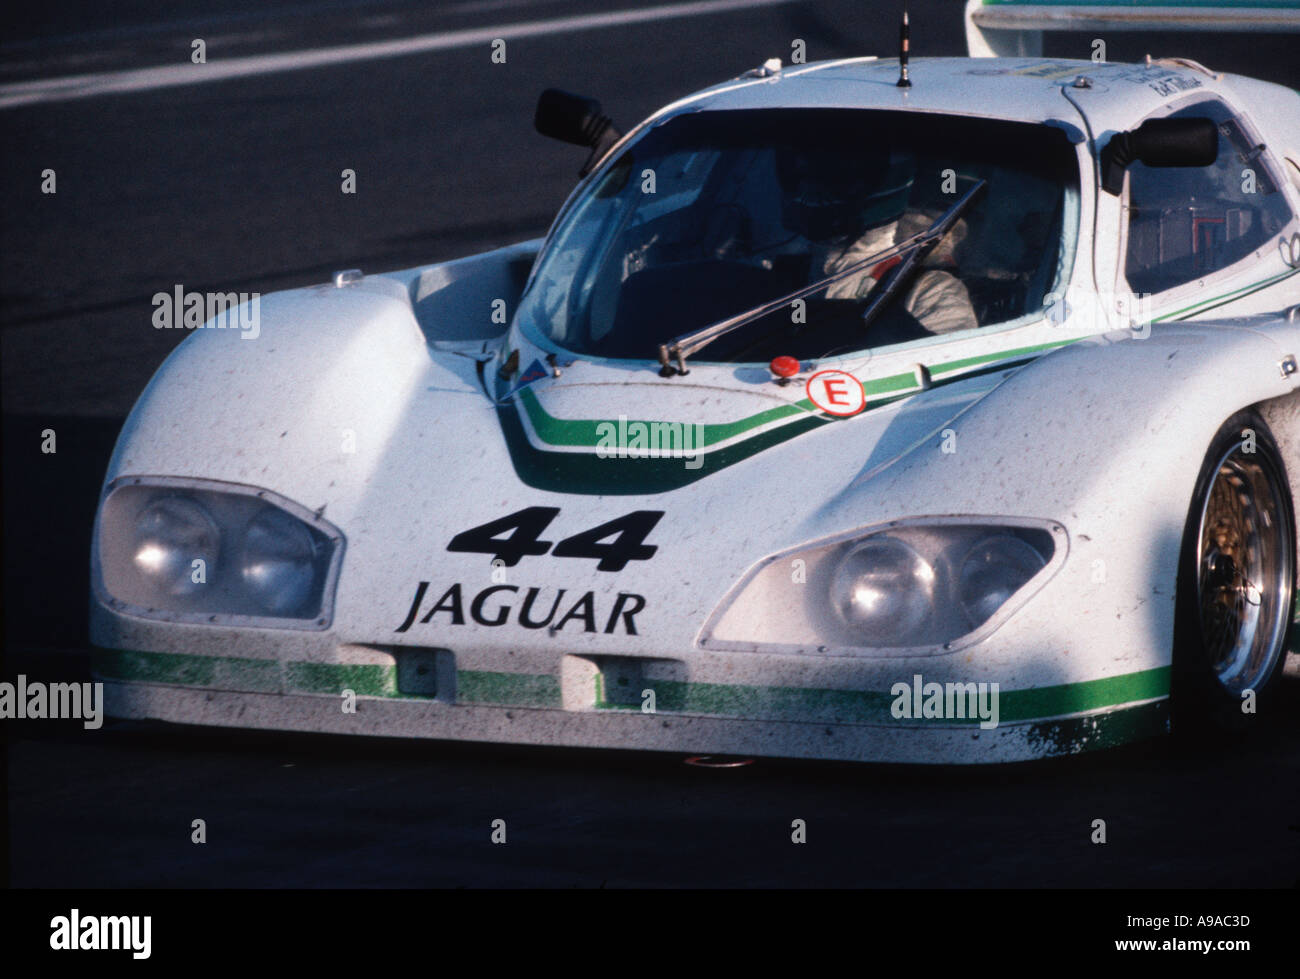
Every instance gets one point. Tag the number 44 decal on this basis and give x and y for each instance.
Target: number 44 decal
(526, 526)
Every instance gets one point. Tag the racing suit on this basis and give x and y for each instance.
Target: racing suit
(937, 299)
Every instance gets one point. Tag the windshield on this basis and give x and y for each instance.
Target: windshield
(710, 214)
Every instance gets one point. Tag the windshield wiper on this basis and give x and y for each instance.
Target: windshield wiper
(919, 245)
(935, 232)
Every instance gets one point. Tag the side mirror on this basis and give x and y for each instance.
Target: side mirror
(578, 120)
(1159, 143)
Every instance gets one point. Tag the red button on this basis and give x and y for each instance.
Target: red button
(784, 366)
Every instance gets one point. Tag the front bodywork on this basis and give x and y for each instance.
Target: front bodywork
(377, 407)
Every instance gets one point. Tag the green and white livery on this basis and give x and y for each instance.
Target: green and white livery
(948, 422)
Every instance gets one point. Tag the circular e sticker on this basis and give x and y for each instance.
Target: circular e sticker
(836, 392)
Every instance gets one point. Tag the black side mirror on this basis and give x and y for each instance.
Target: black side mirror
(1159, 143)
(578, 120)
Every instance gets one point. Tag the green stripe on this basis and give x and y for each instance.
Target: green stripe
(1225, 298)
(867, 706)
(585, 432)
(588, 474)
(221, 672)
(957, 365)
(364, 679)
(543, 690)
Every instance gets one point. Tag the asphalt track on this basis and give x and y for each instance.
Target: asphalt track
(233, 184)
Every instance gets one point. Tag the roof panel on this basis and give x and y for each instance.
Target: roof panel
(1023, 89)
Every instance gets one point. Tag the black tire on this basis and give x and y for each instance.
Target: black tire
(1227, 637)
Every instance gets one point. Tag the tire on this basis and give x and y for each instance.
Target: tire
(1236, 583)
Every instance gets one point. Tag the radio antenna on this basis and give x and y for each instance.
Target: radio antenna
(904, 43)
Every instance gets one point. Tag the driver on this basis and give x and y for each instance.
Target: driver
(849, 210)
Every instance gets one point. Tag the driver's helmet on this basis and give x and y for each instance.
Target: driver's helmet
(827, 194)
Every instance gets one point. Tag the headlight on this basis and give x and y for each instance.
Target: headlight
(995, 569)
(185, 550)
(279, 562)
(176, 546)
(922, 586)
(883, 588)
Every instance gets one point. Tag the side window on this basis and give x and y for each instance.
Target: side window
(1185, 223)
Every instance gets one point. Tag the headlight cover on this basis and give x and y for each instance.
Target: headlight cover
(185, 550)
(915, 587)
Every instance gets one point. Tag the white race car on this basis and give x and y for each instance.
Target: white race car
(835, 417)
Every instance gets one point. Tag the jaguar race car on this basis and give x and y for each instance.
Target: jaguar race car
(944, 411)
